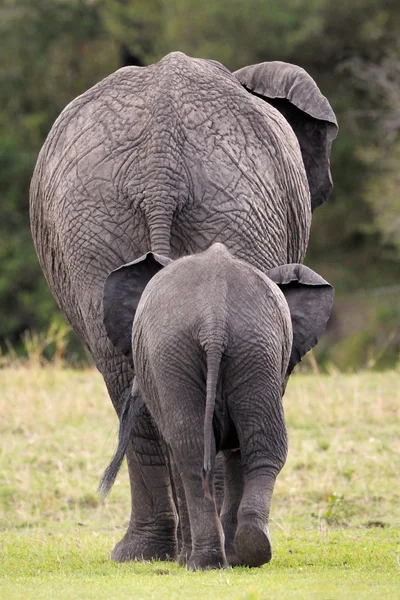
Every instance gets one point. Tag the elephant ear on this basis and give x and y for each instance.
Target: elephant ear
(310, 300)
(292, 91)
(122, 291)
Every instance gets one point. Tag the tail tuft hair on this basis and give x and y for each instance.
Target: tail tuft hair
(126, 424)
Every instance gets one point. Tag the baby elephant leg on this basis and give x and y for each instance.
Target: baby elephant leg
(232, 472)
(263, 444)
(185, 548)
(207, 550)
(185, 439)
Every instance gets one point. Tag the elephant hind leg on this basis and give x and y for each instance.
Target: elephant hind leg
(252, 542)
(231, 471)
(185, 545)
(263, 444)
(151, 533)
(207, 549)
(185, 439)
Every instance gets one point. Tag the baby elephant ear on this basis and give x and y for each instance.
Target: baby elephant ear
(310, 300)
(122, 291)
(294, 93)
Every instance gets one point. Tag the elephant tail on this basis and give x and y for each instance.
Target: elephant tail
(214, 355)
(126, 424)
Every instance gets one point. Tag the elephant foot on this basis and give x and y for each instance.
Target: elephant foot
(134, 546)
(212, 560)
(252, 545)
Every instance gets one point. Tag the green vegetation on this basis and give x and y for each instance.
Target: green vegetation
(335, 520)
(355, 566)
(55, 49)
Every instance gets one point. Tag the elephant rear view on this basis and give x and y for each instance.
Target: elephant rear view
(214, 341)
(171, 158)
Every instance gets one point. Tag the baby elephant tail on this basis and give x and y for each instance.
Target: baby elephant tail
(126, 424)
(214, 355)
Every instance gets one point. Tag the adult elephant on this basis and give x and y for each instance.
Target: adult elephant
(170, 158)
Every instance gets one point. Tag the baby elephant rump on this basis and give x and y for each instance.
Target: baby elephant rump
(214, 341)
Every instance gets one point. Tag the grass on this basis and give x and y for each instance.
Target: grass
(335, 519)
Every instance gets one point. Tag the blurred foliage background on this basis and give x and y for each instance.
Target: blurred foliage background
(52, 50)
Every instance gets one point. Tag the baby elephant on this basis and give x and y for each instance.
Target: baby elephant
(213, 343)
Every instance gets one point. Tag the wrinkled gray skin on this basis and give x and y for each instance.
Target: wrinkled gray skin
(170, 158)
(213, 345)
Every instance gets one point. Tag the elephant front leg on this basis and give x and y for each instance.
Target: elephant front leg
(151, 532)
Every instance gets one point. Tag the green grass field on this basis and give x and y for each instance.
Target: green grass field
(335, 519)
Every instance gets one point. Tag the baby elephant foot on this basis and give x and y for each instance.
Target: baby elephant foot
(212, 560)
(252, 545)
(135, 546)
